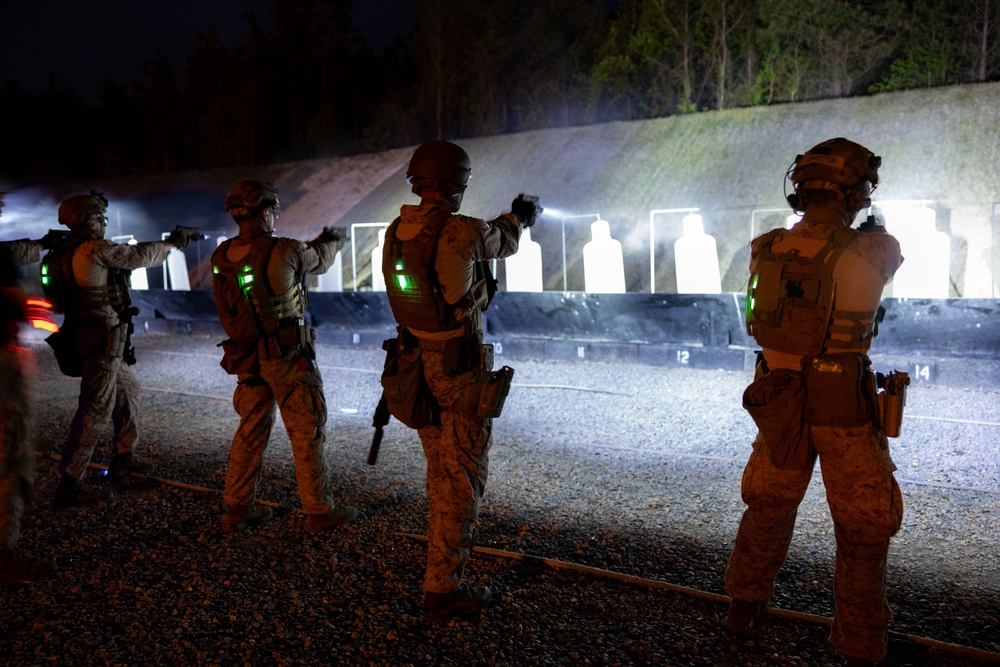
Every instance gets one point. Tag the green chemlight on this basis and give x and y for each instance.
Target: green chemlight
(403, 282)
(246, 277)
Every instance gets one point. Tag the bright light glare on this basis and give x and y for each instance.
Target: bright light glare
(38, 314)
(378, 280)
(926, 251)
(46, 325)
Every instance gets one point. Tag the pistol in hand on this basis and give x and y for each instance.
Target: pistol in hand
(182, 236)
(526, 208)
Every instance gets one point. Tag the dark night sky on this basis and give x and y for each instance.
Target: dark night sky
(84, 43)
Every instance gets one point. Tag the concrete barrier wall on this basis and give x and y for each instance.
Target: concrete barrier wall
(967, 328)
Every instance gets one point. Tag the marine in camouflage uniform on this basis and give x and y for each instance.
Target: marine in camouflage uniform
(17, 452)
(270, 350)
(457, 449)
(832, 182)
(86, 278)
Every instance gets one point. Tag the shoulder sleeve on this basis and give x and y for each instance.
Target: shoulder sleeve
(881, 250)
(306, 258)
(475, 239)
(24, 251)
(124, 256)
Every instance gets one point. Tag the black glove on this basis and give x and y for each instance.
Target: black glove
(331, 234)
(52, 238)
(526, 208)
(179, 239)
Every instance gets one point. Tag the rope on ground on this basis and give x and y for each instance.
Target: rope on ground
(946, 647)
(955, 649)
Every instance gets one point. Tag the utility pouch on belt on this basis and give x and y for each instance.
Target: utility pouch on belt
(63, 344)
(462, 353)
(776, 403)
(891, 401)
(406, 393)
(836, 394)
(239, 358)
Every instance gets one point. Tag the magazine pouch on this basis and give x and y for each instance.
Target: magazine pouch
(835, 391)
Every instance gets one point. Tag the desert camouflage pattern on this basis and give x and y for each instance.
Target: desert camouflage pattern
(864, 499)
(109, 392)
(867, 509)
(457, 451)
(458, 467)
(292, 384)
(24, 251)
(92, 260)
(464, 241)
(17, 451)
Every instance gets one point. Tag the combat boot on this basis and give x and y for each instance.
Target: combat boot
(443, 606)
(71, 492)
(125, 464)
(14, 570)
(241, 517)
(743, 614)
(317, 523)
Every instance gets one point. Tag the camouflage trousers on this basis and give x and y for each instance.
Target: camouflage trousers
(108, 392)
(867, 509)
(17, 451)
(457, 454)
(294, 386)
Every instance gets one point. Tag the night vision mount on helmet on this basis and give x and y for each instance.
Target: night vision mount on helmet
(836, 164)
(74, 210)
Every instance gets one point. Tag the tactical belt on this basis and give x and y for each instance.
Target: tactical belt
(433, 344)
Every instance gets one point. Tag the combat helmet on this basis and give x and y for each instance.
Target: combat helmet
(74, 210)
(440, 161)
(835, 164)
(249, 195)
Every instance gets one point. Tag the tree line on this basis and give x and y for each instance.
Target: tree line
(306, 85)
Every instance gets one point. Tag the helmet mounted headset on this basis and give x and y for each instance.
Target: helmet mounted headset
(838, 165)
(76, 210)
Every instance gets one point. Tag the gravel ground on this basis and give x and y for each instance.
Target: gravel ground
(609, 518)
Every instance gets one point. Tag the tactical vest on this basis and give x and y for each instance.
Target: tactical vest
(789, 306)
(411, 283)
(67, 296)
(248, 308)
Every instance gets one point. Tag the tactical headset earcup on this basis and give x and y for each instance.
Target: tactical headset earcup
(795, 200)
(858, 197)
